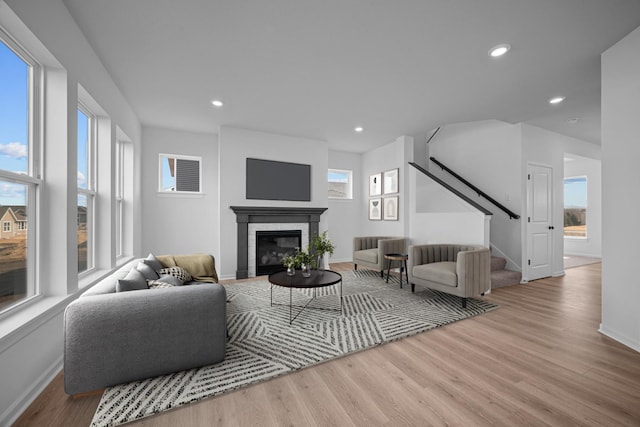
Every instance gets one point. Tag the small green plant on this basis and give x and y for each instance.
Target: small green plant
(298, 258)
(320, 244)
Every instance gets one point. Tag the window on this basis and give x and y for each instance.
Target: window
(340, 184)
(179, 174)
(19, 171)
(575, 207)
(119, 198)
(86, 189)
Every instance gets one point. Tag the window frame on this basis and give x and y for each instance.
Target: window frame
(349, 183)
(162, 156)
(89, 192)
(32, 180)
(119, 198)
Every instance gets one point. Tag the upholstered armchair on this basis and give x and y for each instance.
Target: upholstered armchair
(459, 270)
(369, 251)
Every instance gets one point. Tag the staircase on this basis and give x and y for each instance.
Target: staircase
(500, 276)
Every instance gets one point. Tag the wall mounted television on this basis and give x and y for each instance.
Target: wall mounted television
(273, 180)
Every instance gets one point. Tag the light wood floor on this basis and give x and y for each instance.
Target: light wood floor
(537, 360)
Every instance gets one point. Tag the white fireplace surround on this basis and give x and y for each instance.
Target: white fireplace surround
(281, 226)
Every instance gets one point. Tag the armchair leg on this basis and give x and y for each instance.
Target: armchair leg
(464, 303)
(413, 287)
(381, 273)
(355, 266)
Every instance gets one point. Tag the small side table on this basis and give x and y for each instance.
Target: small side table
(403, 265)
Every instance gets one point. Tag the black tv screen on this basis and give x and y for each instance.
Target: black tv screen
(271, 180)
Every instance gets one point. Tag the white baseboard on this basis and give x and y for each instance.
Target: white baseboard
(635, 345)
(23, 401)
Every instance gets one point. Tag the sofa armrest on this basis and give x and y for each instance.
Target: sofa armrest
(473, 268)
(120, 337)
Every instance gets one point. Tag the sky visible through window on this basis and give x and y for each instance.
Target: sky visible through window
(14, 123)
(83, 143)
(335, 176)
(575, 192)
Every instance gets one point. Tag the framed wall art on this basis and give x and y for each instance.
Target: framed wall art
(391, 181)
(375, 209)
(390, 208)
(375, 184)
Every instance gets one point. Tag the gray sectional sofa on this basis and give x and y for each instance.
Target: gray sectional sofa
(113, 336)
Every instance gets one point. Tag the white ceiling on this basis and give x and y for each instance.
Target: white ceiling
(317, 69)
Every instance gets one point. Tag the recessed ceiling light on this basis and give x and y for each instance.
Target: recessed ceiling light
(217, 103)
(499, 50)
(557, 99)
(358, 129)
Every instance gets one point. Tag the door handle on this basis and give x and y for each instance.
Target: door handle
(551, 227)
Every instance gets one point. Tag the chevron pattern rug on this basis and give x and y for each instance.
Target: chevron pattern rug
(263, 345)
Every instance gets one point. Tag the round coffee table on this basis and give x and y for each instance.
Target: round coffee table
(318, 279)
(402, 258)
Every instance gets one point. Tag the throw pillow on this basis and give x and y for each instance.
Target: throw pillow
(165, 281)
(178, 272)
(146, 270)
(153, 262)
(132, 282)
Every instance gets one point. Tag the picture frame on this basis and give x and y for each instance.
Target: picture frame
(375, 184)
(390, 181)
(390, 208)
(375, 209)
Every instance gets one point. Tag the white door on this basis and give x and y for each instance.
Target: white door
(540, 226)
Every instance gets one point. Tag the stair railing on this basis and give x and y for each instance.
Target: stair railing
(450, 188)
(512, 215)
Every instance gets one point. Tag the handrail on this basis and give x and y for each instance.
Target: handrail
(433, 134)
(477, 190)
(450, 188)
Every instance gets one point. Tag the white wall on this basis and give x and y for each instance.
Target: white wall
(541, 146)
(178, 223)
(387, 157)
(345, 216)
(620, 154)
(591, 169)
(235, 145)
(487, 154)
(31, 338)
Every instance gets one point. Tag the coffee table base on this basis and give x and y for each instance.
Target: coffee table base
(291, 305)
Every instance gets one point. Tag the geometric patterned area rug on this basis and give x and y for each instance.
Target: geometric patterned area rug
(262, 344)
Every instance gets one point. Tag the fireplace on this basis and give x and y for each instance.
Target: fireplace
(272, 246)
(261, 218)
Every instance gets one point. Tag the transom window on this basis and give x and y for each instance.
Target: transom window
(340, 184)
(181, 174)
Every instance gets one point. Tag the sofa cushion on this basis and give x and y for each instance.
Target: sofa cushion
(153, 262)
(147, 271)
(367, 255)
(439, 272)
(132, 282)
(178, 272)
